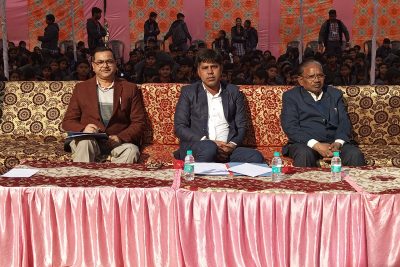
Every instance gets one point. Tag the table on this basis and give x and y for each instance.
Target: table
(98, 215)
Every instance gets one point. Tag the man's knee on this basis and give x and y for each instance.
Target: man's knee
(125, 153)
(256, 157)
(353, 157)
(84, 150)
(304, 156)
(205, 151)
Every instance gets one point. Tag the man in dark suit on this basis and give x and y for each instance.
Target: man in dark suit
(210, 116)
(109, 105)
(316, 121)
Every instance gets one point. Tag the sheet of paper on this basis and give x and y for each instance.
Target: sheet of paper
(250, 169)
(208, 168)
(20, 173)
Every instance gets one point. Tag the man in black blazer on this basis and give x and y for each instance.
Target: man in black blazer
(210, 116)
(316, 121)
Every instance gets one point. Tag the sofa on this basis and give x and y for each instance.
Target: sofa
(31, 115)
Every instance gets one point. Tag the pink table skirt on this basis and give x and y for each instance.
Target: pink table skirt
(103, 226)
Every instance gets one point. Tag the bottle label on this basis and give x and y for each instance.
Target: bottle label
(276, 169)
(189, 168)
(336, 168)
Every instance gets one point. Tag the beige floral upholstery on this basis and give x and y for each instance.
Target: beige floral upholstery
(31, 114)
(375, 114)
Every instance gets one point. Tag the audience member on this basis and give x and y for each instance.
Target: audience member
(151, 30)
(260, 77)
(180, 33)
(251, 36)
(95, 31)
(331, 34)
(50, 37)
(221, 43)
(238, 38)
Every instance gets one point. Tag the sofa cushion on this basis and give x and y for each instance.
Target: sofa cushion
(157, 153)
(383, 156)
(264, 104)
(13, 150)
(374, 112)
(35, 109)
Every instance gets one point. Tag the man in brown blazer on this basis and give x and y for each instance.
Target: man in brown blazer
(105, 104)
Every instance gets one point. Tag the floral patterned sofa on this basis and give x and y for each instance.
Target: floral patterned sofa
(31, 114)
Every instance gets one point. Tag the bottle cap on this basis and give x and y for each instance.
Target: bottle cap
(277, 154)
(336, 154)
(189, 152)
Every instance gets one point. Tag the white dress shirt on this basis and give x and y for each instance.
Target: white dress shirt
(311, 143)
(218, 127)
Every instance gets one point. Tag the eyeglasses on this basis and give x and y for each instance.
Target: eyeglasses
(312, 77)
(102, 63)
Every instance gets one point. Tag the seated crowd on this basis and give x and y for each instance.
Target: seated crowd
(154, 65)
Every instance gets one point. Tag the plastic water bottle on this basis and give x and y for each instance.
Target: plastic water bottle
(336, 167)
(276, 165)
(188, 169)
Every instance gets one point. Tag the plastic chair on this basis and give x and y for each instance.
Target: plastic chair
(118, 48)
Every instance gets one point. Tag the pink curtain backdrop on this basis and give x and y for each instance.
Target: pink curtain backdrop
(118, 20)
(17, 20)
(273, 12)
(263, 25)
(194, 17)
(164, 227)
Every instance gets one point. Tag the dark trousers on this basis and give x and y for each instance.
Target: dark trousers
(304, 156)
(334, 48)
(207, 150)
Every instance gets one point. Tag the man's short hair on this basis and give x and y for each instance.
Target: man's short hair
(304, 64)
(102, 49)
(153, 14)
(208, 56)
(261, 73)
(51, 18)
(151, 53)
(96, 10)
(332, 12)
(179, 16)
(386, 41)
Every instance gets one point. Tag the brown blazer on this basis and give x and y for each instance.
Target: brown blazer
(127, 120)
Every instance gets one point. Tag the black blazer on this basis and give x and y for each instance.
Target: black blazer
(191, 114)
(301, 120)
